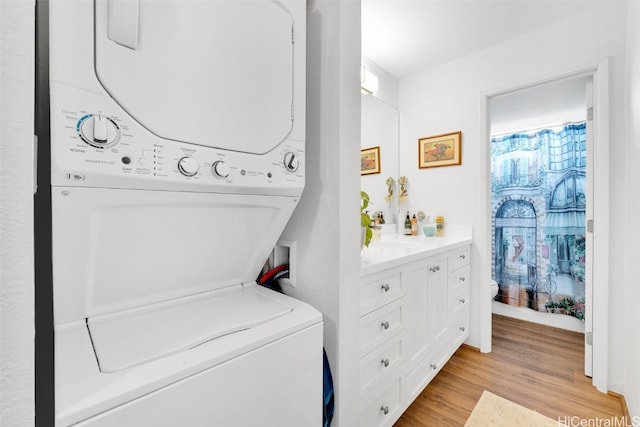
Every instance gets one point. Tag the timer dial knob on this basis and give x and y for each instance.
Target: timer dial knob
(221, 169)
(98, 130)
(291, 162)
(188, 166)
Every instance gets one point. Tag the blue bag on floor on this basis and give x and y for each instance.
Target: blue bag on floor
(327, 386)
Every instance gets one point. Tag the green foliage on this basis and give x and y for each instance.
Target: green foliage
(566, 303)
(365, 219)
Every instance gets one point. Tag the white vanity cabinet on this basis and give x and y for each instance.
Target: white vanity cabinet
(414, 314)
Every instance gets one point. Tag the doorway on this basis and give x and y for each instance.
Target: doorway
(597, 215)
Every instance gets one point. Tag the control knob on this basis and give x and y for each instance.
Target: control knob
(291, 162)
(188, 166)
(221, 169)
(98, 130)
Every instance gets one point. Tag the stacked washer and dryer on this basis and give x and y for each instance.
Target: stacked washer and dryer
(177, 144)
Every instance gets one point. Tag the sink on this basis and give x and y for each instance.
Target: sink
(385, 250)
(396, 244)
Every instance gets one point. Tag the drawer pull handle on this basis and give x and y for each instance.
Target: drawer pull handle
(434, 268)
(385, 287)
(462, 301)
(462, 278)
(434, 366)
(384, 409)
(462, 328)
(463, 256)
(385, 362)
(385, 325)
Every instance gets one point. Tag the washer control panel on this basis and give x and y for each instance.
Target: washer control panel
(109, 149)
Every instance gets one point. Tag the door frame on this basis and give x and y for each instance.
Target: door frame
(598, 314)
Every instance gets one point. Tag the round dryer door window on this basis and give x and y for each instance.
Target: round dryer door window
(211, 73)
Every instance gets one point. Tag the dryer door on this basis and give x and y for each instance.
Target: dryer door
(224, 80)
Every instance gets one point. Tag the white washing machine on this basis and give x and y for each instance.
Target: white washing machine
(177, 145)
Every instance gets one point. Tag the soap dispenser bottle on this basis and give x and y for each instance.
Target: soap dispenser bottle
(414, 225)
(407, 225)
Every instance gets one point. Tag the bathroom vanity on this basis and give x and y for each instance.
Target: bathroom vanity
(414, 314)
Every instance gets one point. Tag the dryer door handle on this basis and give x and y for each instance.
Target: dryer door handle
(123, 22)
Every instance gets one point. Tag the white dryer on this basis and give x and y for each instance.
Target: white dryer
(177, 145)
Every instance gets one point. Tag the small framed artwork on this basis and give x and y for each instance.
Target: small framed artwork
(370, 161)
(440, 150)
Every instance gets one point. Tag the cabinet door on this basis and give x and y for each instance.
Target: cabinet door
(438, 306)
(427, 308)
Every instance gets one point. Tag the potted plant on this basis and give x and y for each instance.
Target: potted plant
(551, 306)
(365, 219)
(566, 305)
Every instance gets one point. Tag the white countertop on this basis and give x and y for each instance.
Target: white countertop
(392, 250)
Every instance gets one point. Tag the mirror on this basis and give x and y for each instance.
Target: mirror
(380, 128)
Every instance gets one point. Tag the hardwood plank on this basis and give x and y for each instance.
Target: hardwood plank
(536, 366)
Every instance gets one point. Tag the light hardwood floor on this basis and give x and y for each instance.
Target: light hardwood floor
(536, 366)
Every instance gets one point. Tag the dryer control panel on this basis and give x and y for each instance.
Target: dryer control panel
(105, 148)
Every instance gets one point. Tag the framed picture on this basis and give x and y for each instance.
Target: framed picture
(370, 161)
(440, 150)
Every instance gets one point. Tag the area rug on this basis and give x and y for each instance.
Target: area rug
(495, 411)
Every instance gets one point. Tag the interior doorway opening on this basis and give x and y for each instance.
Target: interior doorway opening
(596, 323)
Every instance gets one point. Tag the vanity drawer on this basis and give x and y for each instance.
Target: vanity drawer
(459, 257)
(460, 300)
(460, 278)
(460, 330)
(377, 365)
(380, 325)
(378, 290)
(382, 407)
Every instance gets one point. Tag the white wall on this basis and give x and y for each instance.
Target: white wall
(326, 223)
(450, 98)
(16, 213)
(632, 180)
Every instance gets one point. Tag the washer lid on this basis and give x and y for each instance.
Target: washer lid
(125, 339)
(225, 79)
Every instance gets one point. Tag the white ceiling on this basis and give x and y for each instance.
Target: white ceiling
(545, 105)
(408, 36)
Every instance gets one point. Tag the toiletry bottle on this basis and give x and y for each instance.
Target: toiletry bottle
(414, 226)
(439, 225)
(407, 225)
